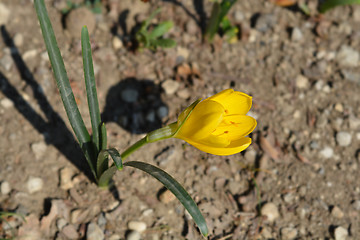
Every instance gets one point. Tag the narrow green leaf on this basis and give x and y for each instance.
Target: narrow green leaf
(213, 24)
(328, 4)
(181, 194)
(102, 163)
(91, 88)
(161, 29)
(105, 178)
(146, 23)
(103, 137)
(225, 7)
(63, 84)
(163, 42)
(116, 157)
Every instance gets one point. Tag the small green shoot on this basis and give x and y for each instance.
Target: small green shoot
(152, 39)
(94, 6)
(218, 20)
(329, 4)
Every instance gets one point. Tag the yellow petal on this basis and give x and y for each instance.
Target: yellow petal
(234, 147)
(235, 127)
(234, 102)
(203, 120)
(211, 140)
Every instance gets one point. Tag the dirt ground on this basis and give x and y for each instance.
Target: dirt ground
(298, 180)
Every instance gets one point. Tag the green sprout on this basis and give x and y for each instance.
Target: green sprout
(329, 4)
(93, 5)
(3, 215)
(218, 20)
(152, 39)
(94, 147)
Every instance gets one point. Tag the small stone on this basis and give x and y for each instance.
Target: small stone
(7, 103)
(270, 211)
(289, 197)
(137, 226)
(181, 51)
(341, 233)
(343, 139)
(4, 14)
(115, 237)
(288, 233)
(66, 175)
(77, 18)
(129, 95)
(30, 54)
(102, 220)
(6, 62)
(296, 35)
(265, 22)
(5, 188)
(39, 149)
(356, 205)
(347, 56)
(354, 122)
(18, 40)
(117, 43)
(327, 152)
(94, 232)
(351, 75)
(150, 116)
(147, 212)
(170, 86)
(61, 223)
(133, 235)
(339, 107)
(167, 196)
(70, 232)
(337, 212)
(162, 112)
(302, 82)
(34, 184)
(183, 93)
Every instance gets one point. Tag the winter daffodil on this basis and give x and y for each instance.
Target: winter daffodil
(217, 125)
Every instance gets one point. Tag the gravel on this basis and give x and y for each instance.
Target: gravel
(343, 139)
(271, 211)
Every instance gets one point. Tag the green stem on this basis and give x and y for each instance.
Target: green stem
(134, 147)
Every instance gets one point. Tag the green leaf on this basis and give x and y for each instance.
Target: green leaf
(146, 23)
(103, 137)
(164, 42)
(116, 157)
(102, 163)
(103, 160)
(213, 24)
(328, 4)
(63, 84)
(105, 178)
(181, 194)
(91, 88)
(225, 7)
(161, 29)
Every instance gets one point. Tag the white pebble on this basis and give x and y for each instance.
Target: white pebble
(4, 14)
(347, 56)
(133, 235)
(270, 211)
(343, 139)
(327, 152)
(5, 188)
(137, 226)
(340, 233)
(170, 86)
(117, 43)
(94, 232)
(6, 103)
(302, 82)
(39, 149)
(34, 184)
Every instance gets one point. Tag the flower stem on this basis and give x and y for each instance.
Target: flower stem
(134, 147)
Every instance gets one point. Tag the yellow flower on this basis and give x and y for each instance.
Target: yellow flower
(218, 124)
